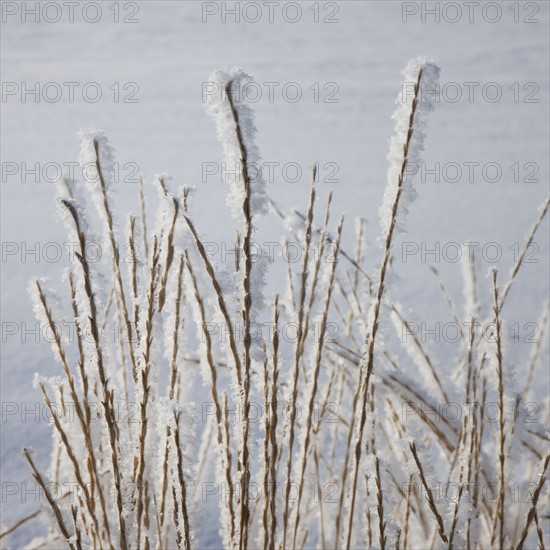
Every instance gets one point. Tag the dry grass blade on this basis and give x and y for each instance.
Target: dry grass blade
(408, 512)
(424, 354)
(115, 255)
(273, 425)
(315, 385)
(499, 512)
(455, 518)
(543, 327)
(266, 453)
(110, 418)
(143, 218)
(228, 468)
(540, 534)
(182, 485)
(246, 317)
(380, 506)
(363, 387)
(78, 534)
(82, 416)
(19, 524)
(431, 499)
(213, 387)
(145, 391)
(521, 258)
(354, 263)
(51, 500)
(297, 357)
(80, 344)
(446, 296)
(85, 487)
(169, 257)
(315, 278)
(534, 502)
(221, 301)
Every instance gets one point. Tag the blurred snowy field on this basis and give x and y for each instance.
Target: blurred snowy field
(348, 71)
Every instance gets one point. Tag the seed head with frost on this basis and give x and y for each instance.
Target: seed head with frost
(227, 102)
(414, 102)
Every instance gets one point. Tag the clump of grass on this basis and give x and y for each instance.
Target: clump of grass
(332, 417)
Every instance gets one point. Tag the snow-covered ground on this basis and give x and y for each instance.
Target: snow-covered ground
(348, 72)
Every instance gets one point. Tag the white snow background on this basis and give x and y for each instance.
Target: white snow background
(170, 52)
